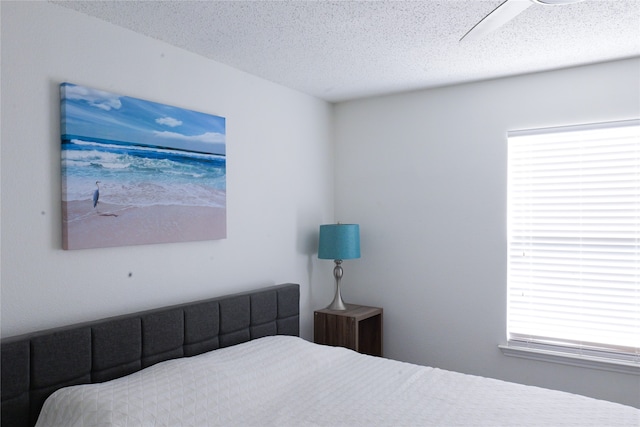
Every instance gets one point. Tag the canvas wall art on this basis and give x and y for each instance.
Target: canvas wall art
(138, 172)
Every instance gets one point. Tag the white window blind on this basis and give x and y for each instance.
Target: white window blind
(574, 239)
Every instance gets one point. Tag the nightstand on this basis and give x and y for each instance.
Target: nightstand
(358, 328)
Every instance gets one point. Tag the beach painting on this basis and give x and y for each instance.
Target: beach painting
(136, 172)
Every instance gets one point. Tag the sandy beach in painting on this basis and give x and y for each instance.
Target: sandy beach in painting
(116, 225)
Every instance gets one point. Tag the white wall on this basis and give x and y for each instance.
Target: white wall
(279, 182)
(424, 174)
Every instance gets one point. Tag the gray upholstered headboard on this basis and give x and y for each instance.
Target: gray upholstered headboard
(35, 365)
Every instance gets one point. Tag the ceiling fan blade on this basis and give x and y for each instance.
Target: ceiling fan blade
(556, 2)
(500, 16)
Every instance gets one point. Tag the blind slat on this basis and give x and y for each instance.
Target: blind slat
(574, 236)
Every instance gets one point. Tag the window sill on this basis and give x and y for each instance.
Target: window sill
(585, 361)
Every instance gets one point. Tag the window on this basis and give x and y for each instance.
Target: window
(574, 243)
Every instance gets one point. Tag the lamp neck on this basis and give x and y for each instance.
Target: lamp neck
(338, 303)
(337, 270)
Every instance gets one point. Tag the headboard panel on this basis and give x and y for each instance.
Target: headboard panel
(123, 334)
(35, 365)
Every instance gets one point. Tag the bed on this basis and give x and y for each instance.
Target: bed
(247, 366)
(33, 366)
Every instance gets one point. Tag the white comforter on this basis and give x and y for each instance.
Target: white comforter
(286, 381)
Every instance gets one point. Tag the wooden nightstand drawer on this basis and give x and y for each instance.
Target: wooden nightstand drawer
(358, 328)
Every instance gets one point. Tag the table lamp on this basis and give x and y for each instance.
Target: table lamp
(339, 242)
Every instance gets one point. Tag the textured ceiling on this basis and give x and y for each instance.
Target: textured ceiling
(341, 50)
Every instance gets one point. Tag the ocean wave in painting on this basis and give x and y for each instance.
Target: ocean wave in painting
(141, 175)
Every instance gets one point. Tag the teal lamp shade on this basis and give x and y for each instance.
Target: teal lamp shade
(339, 241)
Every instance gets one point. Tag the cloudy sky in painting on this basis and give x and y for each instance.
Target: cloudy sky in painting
(97, 114)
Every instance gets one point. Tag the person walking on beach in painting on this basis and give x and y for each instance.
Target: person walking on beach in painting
(96, 194)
